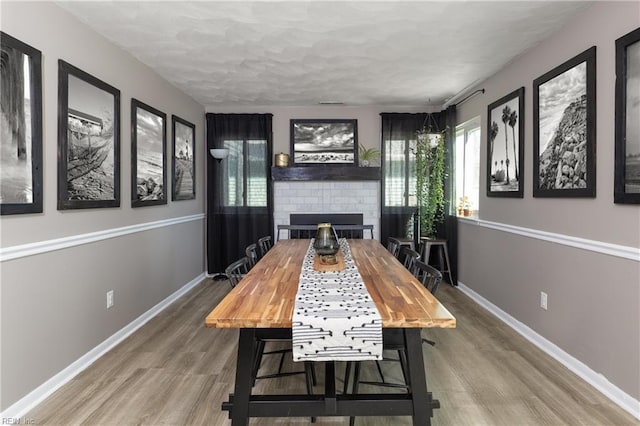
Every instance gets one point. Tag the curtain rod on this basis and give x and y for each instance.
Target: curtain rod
(466, 98)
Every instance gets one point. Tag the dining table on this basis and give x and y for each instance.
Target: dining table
(265, 298)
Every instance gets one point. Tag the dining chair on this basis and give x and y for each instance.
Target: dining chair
(275, 335)
(236, 270)
(252, 254)
(393, 339)
(409, 258)
(429, 276)
(393, 246)
(265, 244)
(279, 335)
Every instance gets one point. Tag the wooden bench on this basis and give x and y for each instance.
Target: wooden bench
(309, 231)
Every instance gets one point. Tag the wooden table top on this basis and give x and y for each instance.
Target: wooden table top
(265, 297)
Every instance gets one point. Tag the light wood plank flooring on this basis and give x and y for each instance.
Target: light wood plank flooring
(174, 371)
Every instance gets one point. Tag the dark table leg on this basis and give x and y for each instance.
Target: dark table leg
(244, 367)
(423, 403)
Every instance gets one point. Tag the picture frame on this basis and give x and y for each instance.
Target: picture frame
(324, 142)
(88, 140)
(183, 159)
(21, 109)
(627, 132)
(148, 155)
(564, 129)
(505, 163)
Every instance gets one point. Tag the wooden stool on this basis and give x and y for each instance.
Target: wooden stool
(441, 244)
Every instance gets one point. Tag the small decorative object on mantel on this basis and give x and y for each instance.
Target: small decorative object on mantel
(326, 244)
(430, 174)
(368, 156)
(282, 160)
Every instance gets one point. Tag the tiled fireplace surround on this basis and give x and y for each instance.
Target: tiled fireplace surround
(327, 197)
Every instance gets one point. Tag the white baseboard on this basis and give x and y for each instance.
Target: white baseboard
(18, 410)
(597, 380)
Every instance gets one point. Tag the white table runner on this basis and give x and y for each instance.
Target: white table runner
(334, 317)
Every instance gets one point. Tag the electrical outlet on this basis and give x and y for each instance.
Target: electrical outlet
(543, 300)
(109, 299)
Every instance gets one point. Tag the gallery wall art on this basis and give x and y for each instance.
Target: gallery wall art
(627, 156)
(183, 159)
(324, 141)
(21, 127)
(505, 140)
(88, 140)
(148, 155)
(564, 129)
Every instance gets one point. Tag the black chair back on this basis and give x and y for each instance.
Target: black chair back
(429, 276)
(252, 254)
(393, 246)
(409, 257)
(236, 270)
(265, 244)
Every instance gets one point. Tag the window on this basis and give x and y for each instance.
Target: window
(245, 174)
(400, 173)
(468, 161)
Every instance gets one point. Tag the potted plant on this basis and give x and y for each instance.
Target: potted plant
(430, 176)
(367, 156)
(464, 206)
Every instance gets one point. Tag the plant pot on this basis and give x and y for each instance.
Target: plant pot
(466, 212)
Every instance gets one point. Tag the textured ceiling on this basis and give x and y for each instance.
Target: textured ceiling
(302, 53)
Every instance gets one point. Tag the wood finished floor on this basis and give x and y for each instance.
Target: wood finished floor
(174, 371)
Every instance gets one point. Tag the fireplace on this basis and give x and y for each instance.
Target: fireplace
(336, 202)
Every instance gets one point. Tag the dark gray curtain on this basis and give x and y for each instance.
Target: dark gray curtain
(397, 217)
(230, 228)
(400, 220)
(449, 230)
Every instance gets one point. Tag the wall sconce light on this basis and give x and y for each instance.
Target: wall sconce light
(219, 153)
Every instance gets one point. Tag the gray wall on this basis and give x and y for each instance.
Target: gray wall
(53, 305)
(594, 298)
(369, 121)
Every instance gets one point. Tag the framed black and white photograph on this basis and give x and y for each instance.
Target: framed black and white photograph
(183, 159)
(21, 127)
(505, 152)
(564, 129)
(148, 155)
(325, 141)
(88, 140)
(627, 162)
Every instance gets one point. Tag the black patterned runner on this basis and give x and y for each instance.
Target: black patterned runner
(334, 317)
